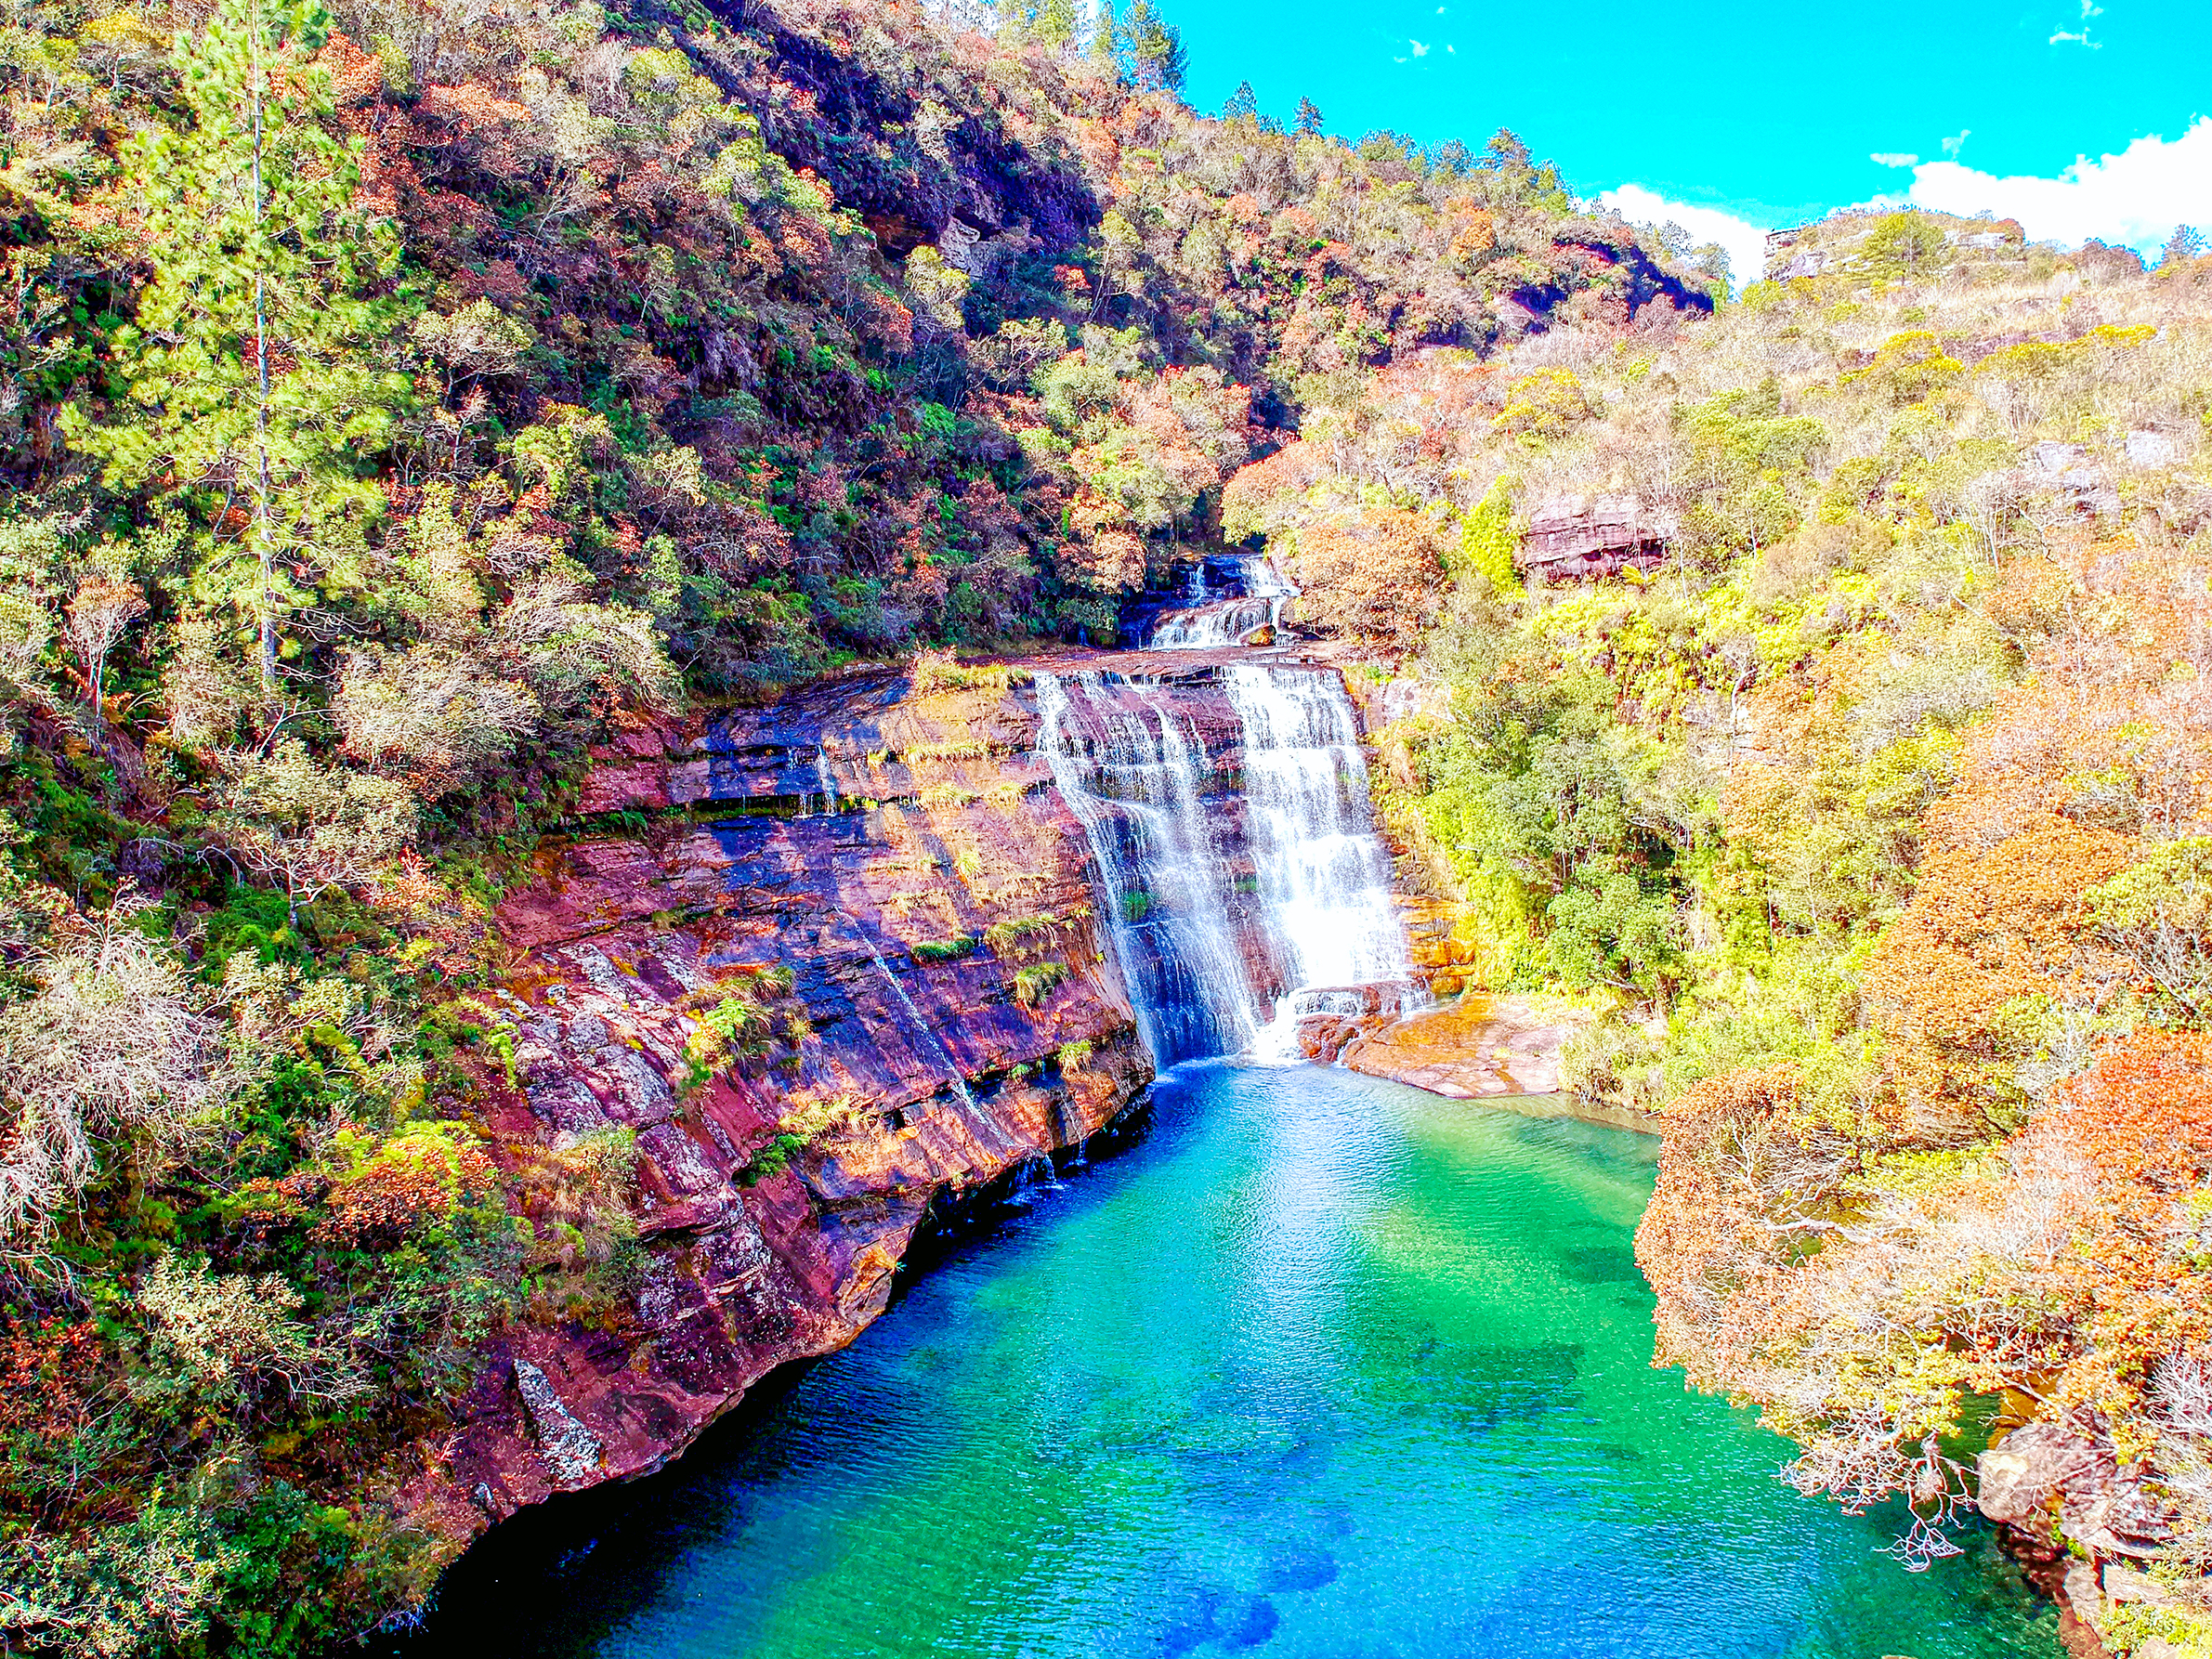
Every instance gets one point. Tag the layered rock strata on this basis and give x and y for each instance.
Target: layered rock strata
(1592, 538)
(890, 896)
(828, 967)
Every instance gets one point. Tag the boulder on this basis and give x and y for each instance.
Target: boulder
(2151, 448)
(2123, 1583)
(2068, 472)
(2044, 1473)
(1331, 1018)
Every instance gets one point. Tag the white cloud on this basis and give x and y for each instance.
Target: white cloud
(2080, 37)
(1418, 50)
(1893, 158)
(1746, 242)
(2134, 198)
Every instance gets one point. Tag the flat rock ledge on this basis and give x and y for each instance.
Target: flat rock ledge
(1479, 1046)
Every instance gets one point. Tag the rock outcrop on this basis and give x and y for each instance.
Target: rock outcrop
(890, 896)
(1474, 1046)
(1585, 538)
(2058, 1493)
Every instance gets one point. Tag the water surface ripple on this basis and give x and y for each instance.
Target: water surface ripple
(1323, 1366)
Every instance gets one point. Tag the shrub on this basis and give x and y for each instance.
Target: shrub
(1034, 983)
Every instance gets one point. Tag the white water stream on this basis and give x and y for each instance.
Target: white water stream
(1135, 770)
(1324, 874)
(1211, 624)
(1129, 770)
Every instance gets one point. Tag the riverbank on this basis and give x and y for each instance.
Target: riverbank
(1316, 1362)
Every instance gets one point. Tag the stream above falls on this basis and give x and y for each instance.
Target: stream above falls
(1319, 1366)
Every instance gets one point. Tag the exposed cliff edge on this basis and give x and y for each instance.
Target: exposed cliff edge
(895, 902)
(825, 967)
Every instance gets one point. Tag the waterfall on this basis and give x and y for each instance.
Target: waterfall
(1131, 771)
(1324, 874)
(1211, 624)
(1212, 963)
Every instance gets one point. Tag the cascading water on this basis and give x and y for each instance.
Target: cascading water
(1211, 624)
(1317, 908)
(1215, 626)
(1323, 875)
(1130, 770)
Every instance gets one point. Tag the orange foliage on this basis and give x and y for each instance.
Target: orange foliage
(1701, 1243)
(2060, 788)
(410, 1180)
(2132, 1137)
(1374, 577)
(45, 1369)
(1986, 928)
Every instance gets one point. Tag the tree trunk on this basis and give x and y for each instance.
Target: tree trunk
(264, 550)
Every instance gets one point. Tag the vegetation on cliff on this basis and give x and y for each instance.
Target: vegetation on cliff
(400, 401)
(1869, 794)
(397, 401)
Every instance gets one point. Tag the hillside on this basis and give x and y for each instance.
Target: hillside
(405, 405)
(1820, 690)
(561, 419)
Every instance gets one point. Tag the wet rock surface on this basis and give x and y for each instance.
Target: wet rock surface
(1331, 1018)
(892, 889)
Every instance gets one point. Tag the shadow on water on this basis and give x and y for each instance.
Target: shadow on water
(1317, 1367)
(558, 1578)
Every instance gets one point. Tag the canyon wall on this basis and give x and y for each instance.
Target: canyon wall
(888, 890)
(826, 967)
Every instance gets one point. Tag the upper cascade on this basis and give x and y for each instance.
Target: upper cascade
(1238, 855)
(1214, 616)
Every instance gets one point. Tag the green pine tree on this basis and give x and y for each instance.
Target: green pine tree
(258, 381)
(1056, 25)
(1155, 48)
(1105, 41)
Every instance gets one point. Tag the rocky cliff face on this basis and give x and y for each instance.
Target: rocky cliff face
(827, 969)
(860, 978)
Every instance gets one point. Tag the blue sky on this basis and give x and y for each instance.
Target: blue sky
(1773, 113)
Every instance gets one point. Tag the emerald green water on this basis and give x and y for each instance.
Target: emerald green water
(1320, 1366)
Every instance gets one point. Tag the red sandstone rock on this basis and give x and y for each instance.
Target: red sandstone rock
(1573, 538)
(1478, 1045)
(943, 1081)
